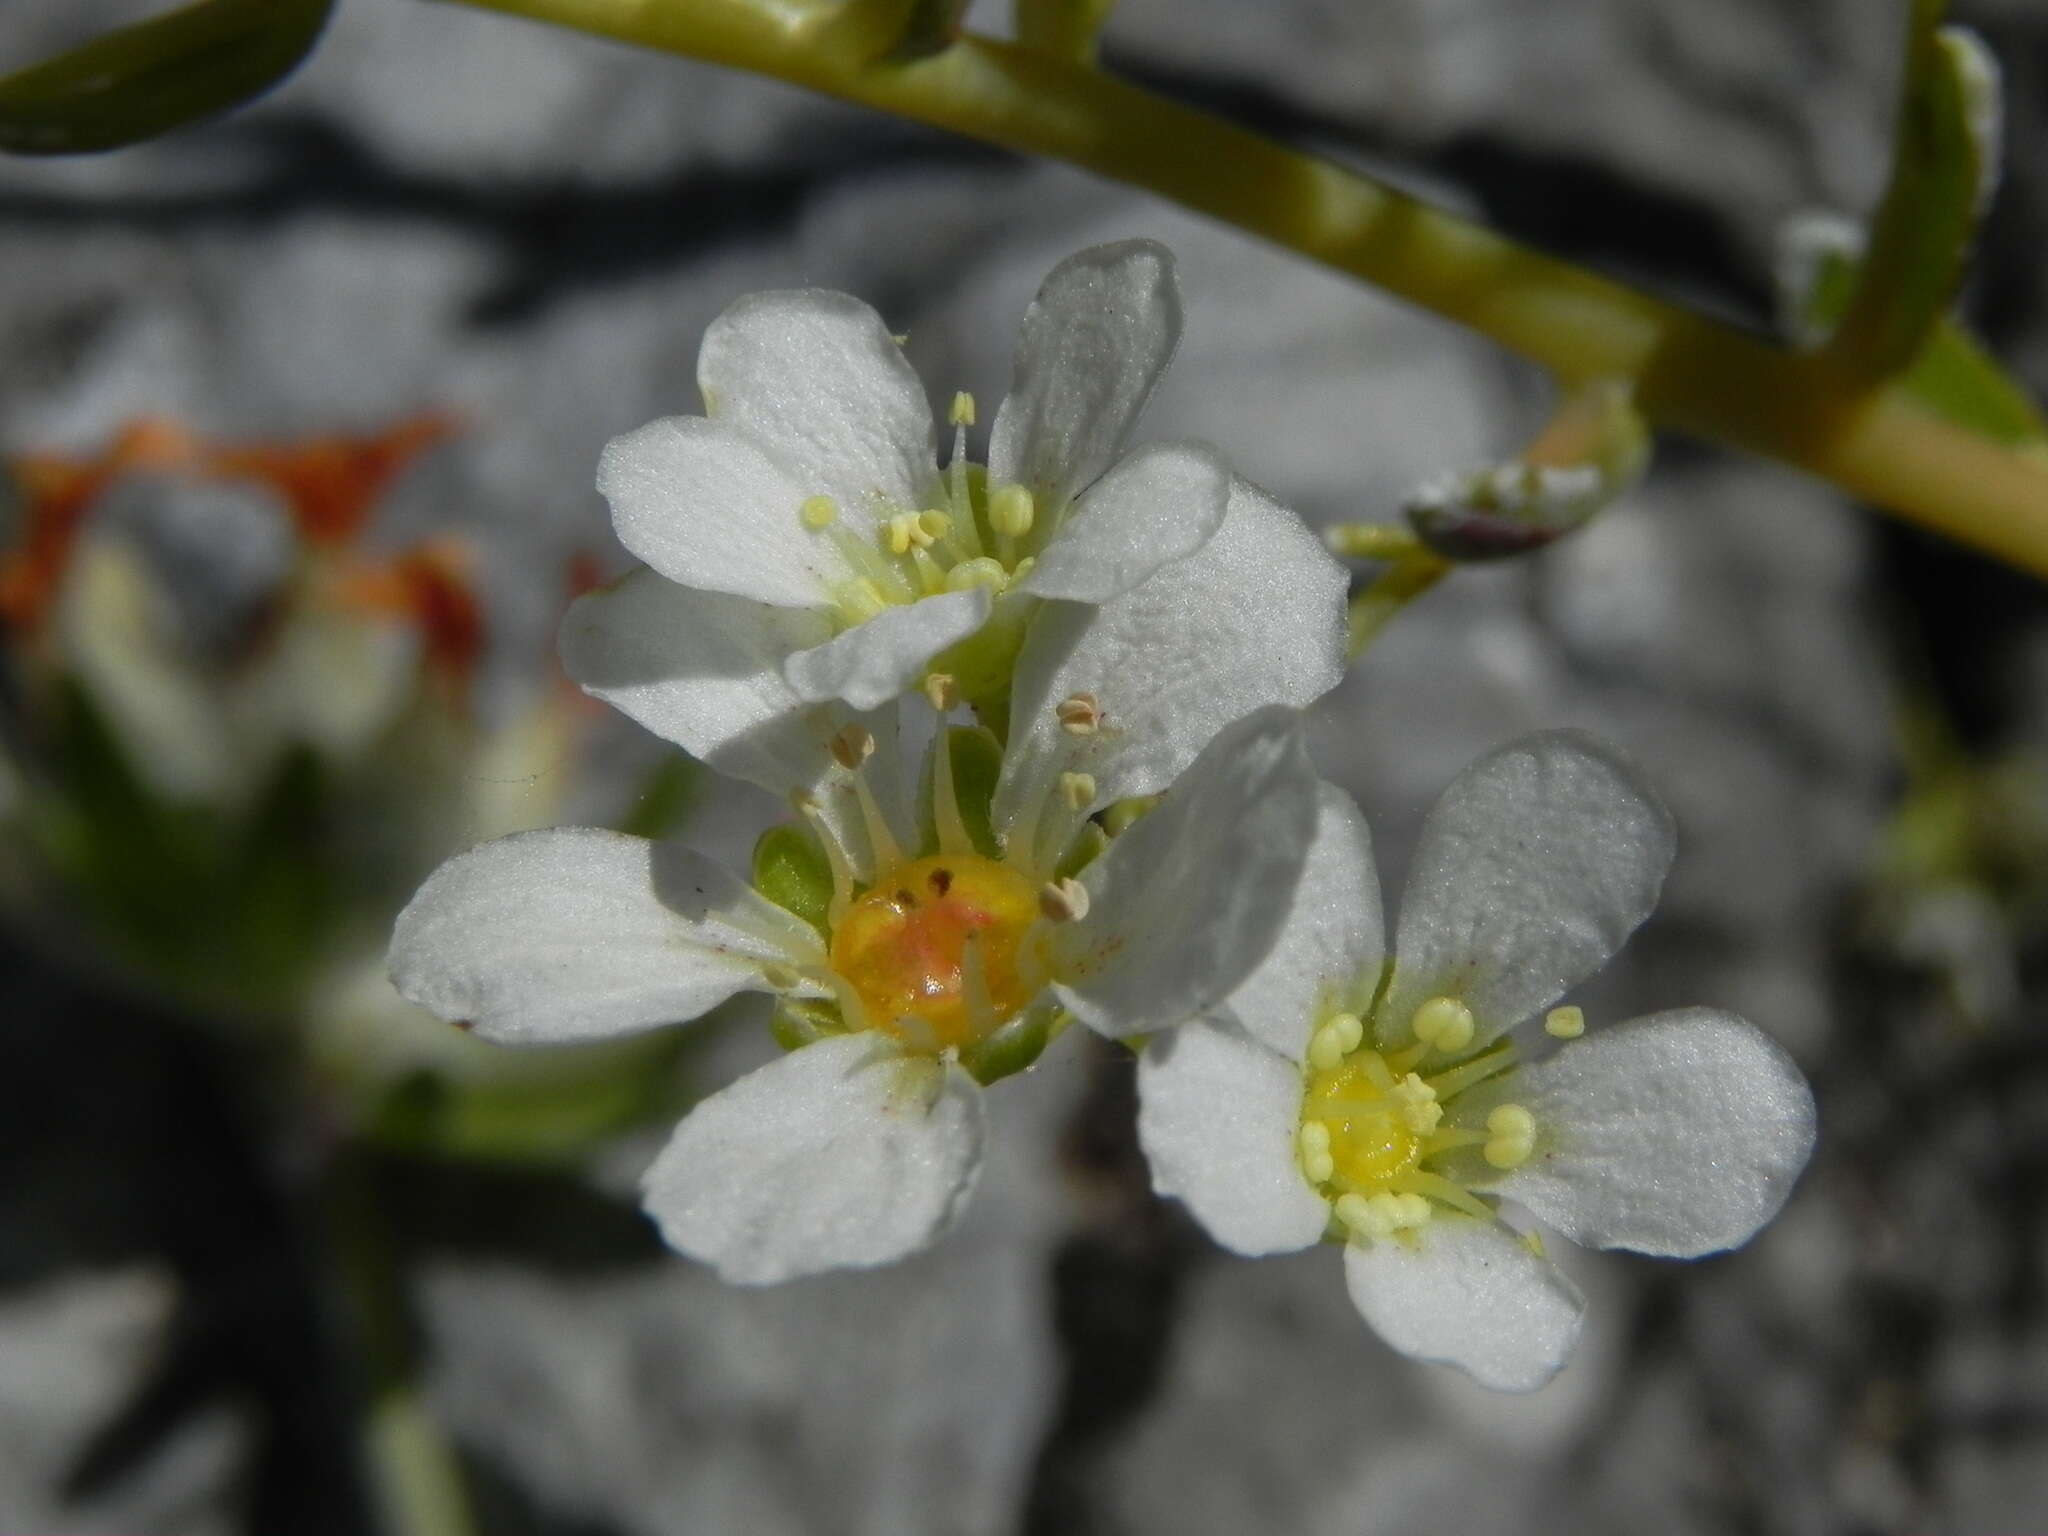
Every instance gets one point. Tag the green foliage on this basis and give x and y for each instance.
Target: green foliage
(156, 75)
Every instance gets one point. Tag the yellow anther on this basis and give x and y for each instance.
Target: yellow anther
(1315, 1138)
(905, 532)
(1063, 901)
(1079, 714)
(1512, 1120)
(934, 525)
(1565, 1023)
(852, 746)
(1320, 1167)
(1533, 1241)
(1078, 790)
(1505, 1152)
(1023, 568)
(1336, 1038)
(1362, 1216)
(1419, 1109)
(861, 600)
(1445, 1023)
(818, 511)
(780, 977)
(943, 692)
(962, 414)
(981, 571)
(1011, 510)
(1415, 1210)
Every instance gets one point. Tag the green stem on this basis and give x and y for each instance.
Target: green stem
(416, 1480)
(1691, 373)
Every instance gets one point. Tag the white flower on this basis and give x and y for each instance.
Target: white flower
(939, 947)
(804, 514)
(1379, 1100)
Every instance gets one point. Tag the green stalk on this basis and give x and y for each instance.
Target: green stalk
(1690, 373)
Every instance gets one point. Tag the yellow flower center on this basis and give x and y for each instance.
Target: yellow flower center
(1372, 1124)
(936, 951)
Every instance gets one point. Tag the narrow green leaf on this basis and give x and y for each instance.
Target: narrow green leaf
(156, 75)
(1944, 166)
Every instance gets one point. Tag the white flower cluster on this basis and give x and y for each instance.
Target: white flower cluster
(1038, 724)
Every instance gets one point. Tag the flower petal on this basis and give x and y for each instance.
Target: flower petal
(1218, 1114)
(876, 660)
(706, 506)
(1469, 1294)
(845, 1154)
(1255, 616)
(1331, 943)
(1677, 1134)
(576, 934)
(816, 378)
(1092, 345)
(1534, 866)
(1184, 904)
(1151, 508)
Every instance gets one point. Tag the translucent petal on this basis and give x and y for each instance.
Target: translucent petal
(1331, 943)
(816, 379)
(1677, 1134)
(1469, 1294)
(1539, 860)
(1151, 508)
(1254, 617)
(707, 506)
(575, 934)
(1092, 345)
(1185, 903)
(1218, 1115)
(843, 1155)
(889, 654)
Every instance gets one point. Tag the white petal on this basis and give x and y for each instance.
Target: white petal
(875, 661)
(705, 671)
(576, 934)
(845, 1154)
(817, 379)
(706, 506)
(1332, 942)
(1153, 507)
(1184, 904)
(1677, 1134)
(1092, 345)
(1255, 616)
(1534, 866)
(1218, 1115)
(1469, 1294)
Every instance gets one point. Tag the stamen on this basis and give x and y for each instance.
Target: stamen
(962, 414)
(1449, 1085)
(1078, 789)
(818, 512)
(1063, 901)
(930, 574)
(1417, 1181)
(951, 825)
(1444, 1023)
(1565, 1023)
(1335, 1039)
(1079, 714)
(934, 525)
(852, 746)
(883, 841)
(779, 977)
(943, 693)
(860, 599)
(1514, 1137)
(1011, 511)
(978, 572)
(806, 805)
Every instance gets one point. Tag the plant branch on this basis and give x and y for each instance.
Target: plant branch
(1691, 374)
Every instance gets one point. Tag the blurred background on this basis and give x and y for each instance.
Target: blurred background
(300, 411)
